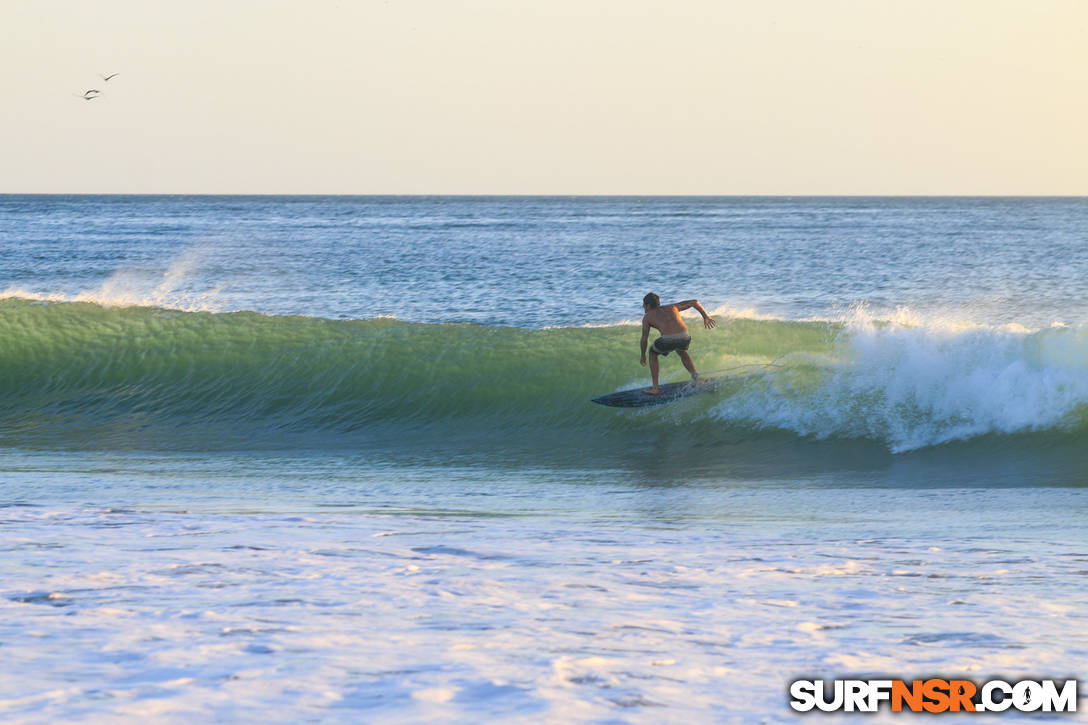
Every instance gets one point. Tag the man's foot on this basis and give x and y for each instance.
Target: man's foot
(651, 391)
(698, 379)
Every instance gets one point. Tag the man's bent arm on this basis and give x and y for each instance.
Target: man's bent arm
(708, 321)
(688, 304)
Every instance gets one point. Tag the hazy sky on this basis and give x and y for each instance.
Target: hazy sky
(551, 96)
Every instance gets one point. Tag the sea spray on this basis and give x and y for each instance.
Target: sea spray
(180, 286)
(913, 383)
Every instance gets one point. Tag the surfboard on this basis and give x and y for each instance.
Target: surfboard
(670, 392)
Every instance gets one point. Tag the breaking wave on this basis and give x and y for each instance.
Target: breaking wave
(82, 375)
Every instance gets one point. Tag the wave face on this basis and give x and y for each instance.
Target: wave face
(80, 375)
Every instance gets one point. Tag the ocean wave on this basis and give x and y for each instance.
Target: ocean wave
(86, 375)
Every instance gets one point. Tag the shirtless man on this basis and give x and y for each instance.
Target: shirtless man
(674, 334)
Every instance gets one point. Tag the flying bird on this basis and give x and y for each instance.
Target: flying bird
(89, 98)
(106, 78)
(89, 91)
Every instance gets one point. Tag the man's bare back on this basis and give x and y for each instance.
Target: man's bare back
(666, 320)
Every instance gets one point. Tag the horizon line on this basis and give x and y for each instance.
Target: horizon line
(474, 195)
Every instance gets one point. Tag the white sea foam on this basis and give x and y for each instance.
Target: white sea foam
(915, 382)
(540, 618)
(729, 311)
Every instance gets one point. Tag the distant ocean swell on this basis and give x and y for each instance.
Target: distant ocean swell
(80, 375)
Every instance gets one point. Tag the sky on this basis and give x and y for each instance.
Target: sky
(776, 97)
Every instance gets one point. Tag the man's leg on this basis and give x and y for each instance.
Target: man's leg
(689, 364)
(654, 367)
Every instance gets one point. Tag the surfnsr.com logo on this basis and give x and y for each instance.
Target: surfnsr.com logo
(934, 695)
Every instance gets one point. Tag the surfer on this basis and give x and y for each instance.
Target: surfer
(674, 334)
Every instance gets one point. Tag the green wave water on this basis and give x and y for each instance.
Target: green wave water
(85, 376)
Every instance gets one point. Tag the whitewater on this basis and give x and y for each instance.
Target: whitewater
(333, 459)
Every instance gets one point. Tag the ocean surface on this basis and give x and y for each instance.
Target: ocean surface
(333, 459)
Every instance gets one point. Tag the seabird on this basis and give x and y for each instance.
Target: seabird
(106, 78)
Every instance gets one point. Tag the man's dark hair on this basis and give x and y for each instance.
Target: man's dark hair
(652, 300)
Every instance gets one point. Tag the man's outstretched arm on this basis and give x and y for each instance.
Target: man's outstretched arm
(708, 321)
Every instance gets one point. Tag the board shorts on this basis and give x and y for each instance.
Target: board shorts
(667, 343)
